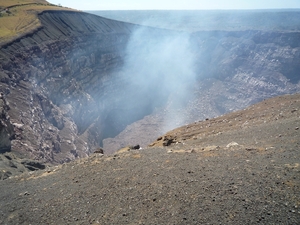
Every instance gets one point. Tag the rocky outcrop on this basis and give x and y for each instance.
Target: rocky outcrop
(66, 91)
(12, 165)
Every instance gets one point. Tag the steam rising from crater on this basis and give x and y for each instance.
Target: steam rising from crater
(159, 67)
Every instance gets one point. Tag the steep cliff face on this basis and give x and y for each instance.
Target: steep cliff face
(51, 79)
(68, 87)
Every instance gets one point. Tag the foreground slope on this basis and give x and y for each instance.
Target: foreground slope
(241, 168)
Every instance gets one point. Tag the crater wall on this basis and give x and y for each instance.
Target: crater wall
(65, 92)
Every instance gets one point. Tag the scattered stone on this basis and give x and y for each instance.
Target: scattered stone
(136, 147)
(297, 128)
(168, 140)
(18, 125)
(51, 128)
(99, 151)
(231, 144)
(122, 150)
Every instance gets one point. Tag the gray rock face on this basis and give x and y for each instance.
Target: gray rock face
(6, 128)
(49, 81)
(68, 95)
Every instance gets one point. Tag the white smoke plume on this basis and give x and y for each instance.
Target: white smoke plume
(159, 66)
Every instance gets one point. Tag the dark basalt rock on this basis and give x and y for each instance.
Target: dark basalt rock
(135, 147)
(99, 151)
(33, 165)
(12, 165)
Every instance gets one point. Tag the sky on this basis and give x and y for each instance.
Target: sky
(176, 4)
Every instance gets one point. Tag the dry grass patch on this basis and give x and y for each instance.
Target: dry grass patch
(20, 17)
(8, 3)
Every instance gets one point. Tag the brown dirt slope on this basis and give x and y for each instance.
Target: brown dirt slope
(266, 123)
(241, 168)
